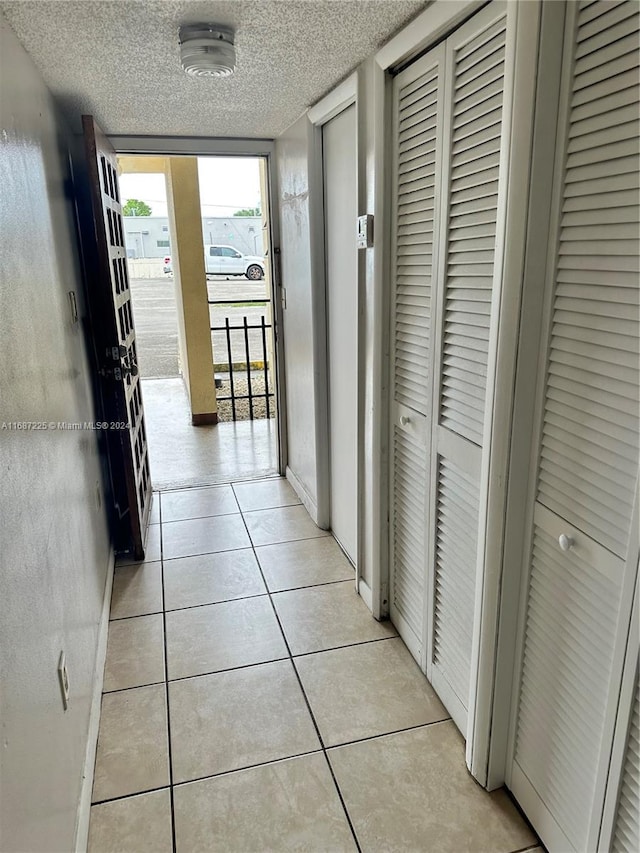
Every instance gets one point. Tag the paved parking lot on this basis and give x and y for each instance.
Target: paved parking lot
(156, 321)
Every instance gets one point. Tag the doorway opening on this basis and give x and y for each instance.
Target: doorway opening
(198, 243)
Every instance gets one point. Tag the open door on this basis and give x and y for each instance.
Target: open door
(115, 346)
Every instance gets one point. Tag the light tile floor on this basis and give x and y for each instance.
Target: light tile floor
(253, 704)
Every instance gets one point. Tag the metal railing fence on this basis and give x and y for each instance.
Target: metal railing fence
(245, 368)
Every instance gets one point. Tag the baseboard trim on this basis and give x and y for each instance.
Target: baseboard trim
(204, 419)
(305, 497)
(364, 591)
(84, 806)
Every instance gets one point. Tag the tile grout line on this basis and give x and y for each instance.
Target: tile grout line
(195, 486)
(248, 665)
(287, 758)
(390, 733)
(131, 796)
(238, 511)
(166, 687)
(244, 598)
(306, 699)
(244, 767)
(201, 517)
(251, 546)
(210, 672)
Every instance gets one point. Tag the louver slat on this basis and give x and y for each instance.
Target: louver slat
(569, 641)
(594, 357)
(626, 837)
(475, 149)
(417, 107)
(409, 529)
(455, 569)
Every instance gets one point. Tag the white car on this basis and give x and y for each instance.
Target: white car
(225, 260)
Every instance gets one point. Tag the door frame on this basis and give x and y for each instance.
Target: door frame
(195, 146)
(523, 446)
(341, 98)
(433, 25)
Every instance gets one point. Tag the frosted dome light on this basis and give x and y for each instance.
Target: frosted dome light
(207, 50)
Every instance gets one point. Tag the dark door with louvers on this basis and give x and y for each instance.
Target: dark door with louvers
(111, 313)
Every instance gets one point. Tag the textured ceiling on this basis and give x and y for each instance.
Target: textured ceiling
(120, 61)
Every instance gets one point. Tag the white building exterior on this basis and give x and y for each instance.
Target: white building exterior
(148, 236)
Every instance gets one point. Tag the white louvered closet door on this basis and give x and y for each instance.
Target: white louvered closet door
(417, 106)
(476, 120)
(584, 540)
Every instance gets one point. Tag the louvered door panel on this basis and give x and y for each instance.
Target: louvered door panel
(594, 348)
(418, 100)
(469, 278)
(584, 560)
(409, 529)
(476, 135)
(417, 120)
(455, 566)
(570, 635)
(626, 837)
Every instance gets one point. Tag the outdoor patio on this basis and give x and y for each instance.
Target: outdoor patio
(182, 455)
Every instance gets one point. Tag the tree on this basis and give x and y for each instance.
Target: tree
(135, 207)
(248, 211)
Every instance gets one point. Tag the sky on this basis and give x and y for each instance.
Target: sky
(227, 184)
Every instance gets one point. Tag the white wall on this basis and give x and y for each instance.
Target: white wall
(303, 368)
(145, 267)
(54, 548)
(298, 163)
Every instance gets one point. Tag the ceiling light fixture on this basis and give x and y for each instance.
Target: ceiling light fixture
(207, 50)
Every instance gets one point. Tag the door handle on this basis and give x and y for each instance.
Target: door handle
(566, 542)
(404, 420)
(129, 366)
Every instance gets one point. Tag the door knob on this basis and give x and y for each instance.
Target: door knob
(565, 542)
(404, 420)
(128, 362)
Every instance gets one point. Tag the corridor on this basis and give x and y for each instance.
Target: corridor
(251, 702)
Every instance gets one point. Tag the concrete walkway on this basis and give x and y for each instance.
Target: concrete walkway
(182, 455)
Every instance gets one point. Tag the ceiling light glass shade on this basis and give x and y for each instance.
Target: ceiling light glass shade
(207, 50)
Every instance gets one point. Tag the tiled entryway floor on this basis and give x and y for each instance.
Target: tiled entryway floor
(253, 704)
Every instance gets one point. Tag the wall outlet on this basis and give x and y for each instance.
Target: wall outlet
(73, 307)
(63, 678)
